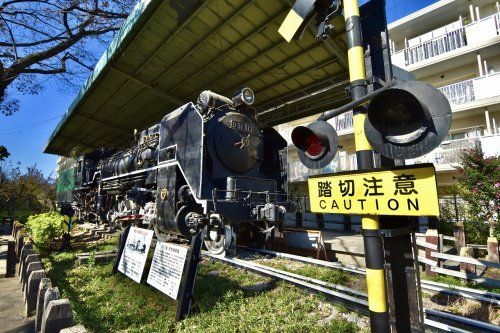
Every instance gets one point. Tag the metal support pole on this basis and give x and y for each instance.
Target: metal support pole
(121, 247)
(374, 255)
(186, 295)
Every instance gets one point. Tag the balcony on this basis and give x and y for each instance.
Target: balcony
(469, 91)
(474, 34)
(447, 153)
(297, 172)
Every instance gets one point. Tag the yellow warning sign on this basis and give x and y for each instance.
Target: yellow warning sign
(406, 191)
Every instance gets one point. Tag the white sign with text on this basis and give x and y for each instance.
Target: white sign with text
(135, 253)
(167, 267)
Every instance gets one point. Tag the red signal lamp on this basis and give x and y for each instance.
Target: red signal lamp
(317, 144)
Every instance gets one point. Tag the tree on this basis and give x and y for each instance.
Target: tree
(479, 186)
(52, 38)
(4, 153)
(30, 189)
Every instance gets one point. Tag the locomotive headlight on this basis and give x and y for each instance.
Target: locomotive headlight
(244, 96)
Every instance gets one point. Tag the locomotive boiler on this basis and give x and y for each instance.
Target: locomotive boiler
(207, 164)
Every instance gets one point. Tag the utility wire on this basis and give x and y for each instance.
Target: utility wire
(399, 5)
(25, 127)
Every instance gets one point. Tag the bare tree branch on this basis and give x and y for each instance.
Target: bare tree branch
(11, 37)
(41, 31)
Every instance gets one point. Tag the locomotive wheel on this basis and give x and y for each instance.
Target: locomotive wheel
(218, 238)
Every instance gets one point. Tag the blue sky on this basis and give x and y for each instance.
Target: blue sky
(25, 133)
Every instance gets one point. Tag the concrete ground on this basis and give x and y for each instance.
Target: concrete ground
(11, 296)
(345, 247)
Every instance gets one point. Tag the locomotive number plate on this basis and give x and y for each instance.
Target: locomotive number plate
(241, 126)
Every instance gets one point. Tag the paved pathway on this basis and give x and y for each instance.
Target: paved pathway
(11, 297)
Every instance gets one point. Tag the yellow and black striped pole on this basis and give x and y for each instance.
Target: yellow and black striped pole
(374, 255)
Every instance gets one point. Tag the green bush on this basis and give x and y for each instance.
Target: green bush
(45, 229)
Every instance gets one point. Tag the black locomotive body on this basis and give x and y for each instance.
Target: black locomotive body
(208, 165)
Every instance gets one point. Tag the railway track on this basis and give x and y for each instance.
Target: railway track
(352, 299)
(473, 294)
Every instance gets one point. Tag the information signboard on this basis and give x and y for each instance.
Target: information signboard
(135, 253)
(404, 191)
(167, 267)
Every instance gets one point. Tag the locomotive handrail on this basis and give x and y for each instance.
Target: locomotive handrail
(249, 193)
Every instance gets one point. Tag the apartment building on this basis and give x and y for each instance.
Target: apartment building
(455, 46)
(64, 163)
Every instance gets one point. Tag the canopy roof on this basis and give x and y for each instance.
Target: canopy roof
(167, 52)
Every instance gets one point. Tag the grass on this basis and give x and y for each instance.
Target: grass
(104, 302)
(453, 281)
(335, 276)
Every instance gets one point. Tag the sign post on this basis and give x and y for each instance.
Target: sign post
(374, 253)
(186, 296)
(68, 224)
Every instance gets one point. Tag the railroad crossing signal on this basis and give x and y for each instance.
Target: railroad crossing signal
(69, 217)
(406, 120)
(317, 143)
(69, 223)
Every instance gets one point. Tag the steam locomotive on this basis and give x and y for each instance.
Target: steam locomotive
(208, 164)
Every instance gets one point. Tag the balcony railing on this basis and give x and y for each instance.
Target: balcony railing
(472, 90)
(434, 47)
(471, 34)
(298, 172)
(448, 152)
(343, 122)
(459, 93)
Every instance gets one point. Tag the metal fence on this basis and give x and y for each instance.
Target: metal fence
(448, 152)
(343, 122)
(459, 93)
(436, 46)
(299, 172)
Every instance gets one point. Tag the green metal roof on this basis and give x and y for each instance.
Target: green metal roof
(167, 52)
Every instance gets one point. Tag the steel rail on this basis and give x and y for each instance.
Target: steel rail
(309, 279)
(473, 294)
(350, 302)
(468, 321)
(441, 314)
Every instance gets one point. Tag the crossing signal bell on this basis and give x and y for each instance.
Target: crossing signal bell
(317, 143)
(407, 120)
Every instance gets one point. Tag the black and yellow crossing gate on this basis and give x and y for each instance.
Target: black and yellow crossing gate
(399, 120)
